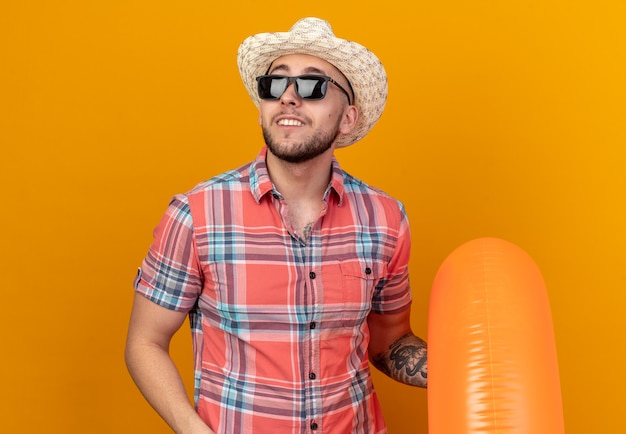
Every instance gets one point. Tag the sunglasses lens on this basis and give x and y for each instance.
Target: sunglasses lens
(272, 87)
(311, 87)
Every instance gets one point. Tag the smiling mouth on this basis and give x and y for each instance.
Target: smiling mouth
(290, 123)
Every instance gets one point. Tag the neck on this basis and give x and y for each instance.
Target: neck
(301, 181)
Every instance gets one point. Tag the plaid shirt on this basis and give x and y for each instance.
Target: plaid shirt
(279, 326)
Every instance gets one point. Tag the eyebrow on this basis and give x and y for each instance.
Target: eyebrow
(308, 70)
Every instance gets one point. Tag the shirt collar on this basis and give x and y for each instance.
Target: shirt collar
(261, 184)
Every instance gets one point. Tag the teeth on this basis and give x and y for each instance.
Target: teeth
(290, 122)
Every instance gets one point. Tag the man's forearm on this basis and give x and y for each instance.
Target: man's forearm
(405, 361)
(158, 380)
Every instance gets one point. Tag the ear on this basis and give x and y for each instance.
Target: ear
(350, 116)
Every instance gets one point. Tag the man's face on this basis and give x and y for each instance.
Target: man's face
(298, 130)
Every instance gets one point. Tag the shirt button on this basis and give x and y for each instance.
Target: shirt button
(313, 426)
(312, 275)
(312, 325)
(312, 376)
(368, 270)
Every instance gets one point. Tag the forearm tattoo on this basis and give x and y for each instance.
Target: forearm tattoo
(405, 361)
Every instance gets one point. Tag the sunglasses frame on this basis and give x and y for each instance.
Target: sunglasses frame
(294, 79)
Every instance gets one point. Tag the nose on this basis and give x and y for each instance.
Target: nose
(290, 96)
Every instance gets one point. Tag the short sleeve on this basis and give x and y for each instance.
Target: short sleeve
(170, 275)
(394, 291)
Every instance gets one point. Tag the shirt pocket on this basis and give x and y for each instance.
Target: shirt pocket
(359, 278)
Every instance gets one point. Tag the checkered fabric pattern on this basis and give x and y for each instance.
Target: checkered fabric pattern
(279, 325)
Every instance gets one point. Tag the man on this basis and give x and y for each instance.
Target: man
(292, 272)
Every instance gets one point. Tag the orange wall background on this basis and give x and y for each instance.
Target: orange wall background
(504, 118)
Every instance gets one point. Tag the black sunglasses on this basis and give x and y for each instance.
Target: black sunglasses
(310, 87)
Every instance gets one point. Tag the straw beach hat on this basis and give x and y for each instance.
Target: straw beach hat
(315, 37)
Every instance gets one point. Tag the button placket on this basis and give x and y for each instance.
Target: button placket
(313, 261)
